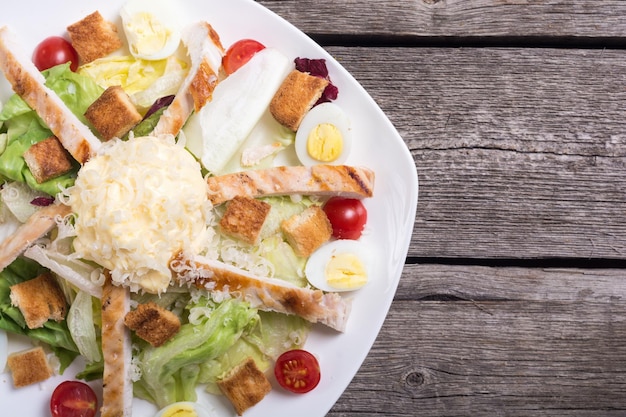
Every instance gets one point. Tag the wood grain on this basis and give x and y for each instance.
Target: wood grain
(429, 20)
(479, 341)
(521, 153)
(521, 157)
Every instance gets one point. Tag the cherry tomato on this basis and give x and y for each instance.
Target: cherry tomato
(347, 216)
(73, 399)
(297, 371)
(53, 51)
(239, 53)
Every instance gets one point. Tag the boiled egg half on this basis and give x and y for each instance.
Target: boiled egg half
(340, 265)
(324, 136)
(185, 409)
(152, 28)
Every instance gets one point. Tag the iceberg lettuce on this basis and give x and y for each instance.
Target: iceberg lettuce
(274, 334)
(170, 372)
(25, 128)
(56, 335)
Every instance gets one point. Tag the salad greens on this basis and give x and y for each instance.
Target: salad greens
(25, 128)
(55, 335)
(215, 335)
(169, 373)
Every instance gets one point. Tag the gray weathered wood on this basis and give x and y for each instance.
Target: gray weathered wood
(521, 153)
(517, 341)
(444, 19)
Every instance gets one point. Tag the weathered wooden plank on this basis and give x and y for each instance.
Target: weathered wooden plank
(532, 343)
(511, 284)
(446, 19)
(521, 153)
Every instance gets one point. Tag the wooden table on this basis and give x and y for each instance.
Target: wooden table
(513, 296)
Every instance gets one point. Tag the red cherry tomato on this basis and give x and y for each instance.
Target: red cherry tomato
(347, 216)
(53, 51)
(297, 371)
(239, 53)
(73, 399)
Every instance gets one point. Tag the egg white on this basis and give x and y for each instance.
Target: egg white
(200, 410)
(323, 113)
(165, 13)
(316, 264)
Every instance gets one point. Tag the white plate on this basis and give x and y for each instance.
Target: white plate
(391, 211)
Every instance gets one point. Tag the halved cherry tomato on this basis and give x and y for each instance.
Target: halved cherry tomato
(53, 51)
(297, 371)
(239, 53)
(347, 217)
(73, 399)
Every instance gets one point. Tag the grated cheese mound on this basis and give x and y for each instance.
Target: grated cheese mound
(137, 204)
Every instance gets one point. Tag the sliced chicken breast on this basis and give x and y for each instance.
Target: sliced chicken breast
(205, 51)
(321, 180)
(28, 83)
(37, 226)
(268, 294)
(117, 386)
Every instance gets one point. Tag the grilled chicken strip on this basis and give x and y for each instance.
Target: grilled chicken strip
(29, 84)
(321, 180)
(37, 226)
(117, 386)
(268, 294)
(205, 51)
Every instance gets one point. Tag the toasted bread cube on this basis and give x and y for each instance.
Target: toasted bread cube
(244, 218)
(152, 323)
(39, 299)
(296, 96)
(93, 37)
(307, 231)
(245, 385)
(47, 159)
(113, 114)
(29, 367)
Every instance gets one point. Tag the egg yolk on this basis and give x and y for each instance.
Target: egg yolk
(345, 271)
(324, 143)
(149, 36)
(180, 410)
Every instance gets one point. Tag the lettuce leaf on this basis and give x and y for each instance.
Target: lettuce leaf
(213, 370)
(80, 321)
(55, 335)
(287, 265)
(274, 334)
(25, 128)
(278, 333)
(169, 373)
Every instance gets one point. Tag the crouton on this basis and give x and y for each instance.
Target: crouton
(244, 218)
(93, 37)
(29, 367)
(152, 323)
(295, 97)
(39, 299)
(113, 114)
(47, 159)
(307, 231)
(245, 385)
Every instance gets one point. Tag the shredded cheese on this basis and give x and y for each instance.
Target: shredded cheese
(138, 203)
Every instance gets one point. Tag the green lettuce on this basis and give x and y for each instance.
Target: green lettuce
(287, 265)
(25, 128)
(274, 334)
(170, 372)
(55, 334)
